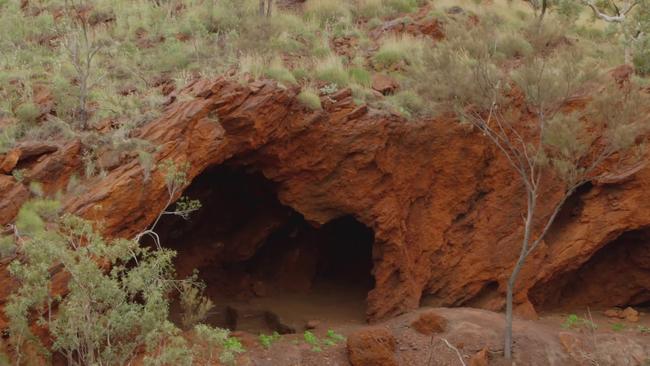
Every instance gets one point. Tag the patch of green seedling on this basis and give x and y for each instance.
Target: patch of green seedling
(267, 340)
(573, 321)
(617, 327)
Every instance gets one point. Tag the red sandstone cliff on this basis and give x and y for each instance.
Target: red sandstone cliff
(445, 208)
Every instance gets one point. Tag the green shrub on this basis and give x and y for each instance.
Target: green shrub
(310, 98)
(641, 57)
(107, 316)
(27, 112)
(360, 76)
(332, 70)
(328, 11)
(513, 45)
(278, 72)
(369, 9)
(7, 247)
(267, 340)
(402, 6)
(212, 339)
(408, 103)
(395, 49)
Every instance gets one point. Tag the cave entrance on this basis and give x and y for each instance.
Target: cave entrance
(618, 274)
(266, 268)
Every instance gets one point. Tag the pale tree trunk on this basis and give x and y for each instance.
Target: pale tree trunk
(523, 254)
(269, 7)
(261, 8)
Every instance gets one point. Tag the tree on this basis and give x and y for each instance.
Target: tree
(552, 148)
(631, 16)
(82, 46)
(265, 6)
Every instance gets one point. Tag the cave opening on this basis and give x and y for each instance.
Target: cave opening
(618, 274)
(266, 268)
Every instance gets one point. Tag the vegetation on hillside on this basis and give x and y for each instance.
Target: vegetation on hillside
(97, 71)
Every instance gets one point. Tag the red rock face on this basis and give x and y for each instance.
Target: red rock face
(444, 206)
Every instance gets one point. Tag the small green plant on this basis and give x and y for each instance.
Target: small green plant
(395, 50)
(643, 329)
(335, 336)
(310, 98)
(7, 247)
(329, 89)
(331, 70)
(19, 175)
(195, 306)
(27, 112)
(617, 327)
(574, 321)
(313, 341)
(267, 340)
(212, 339)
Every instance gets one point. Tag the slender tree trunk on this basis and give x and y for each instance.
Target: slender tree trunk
(268, 8)
(261, 8)
(523, 254)
(628, 54)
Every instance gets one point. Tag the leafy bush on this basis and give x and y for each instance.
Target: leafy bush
(514, 45)
(211, 339)
(408, 103)
(27, 112)
(114, 306)
(195, 306)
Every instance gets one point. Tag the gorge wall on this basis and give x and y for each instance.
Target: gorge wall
(444, 207)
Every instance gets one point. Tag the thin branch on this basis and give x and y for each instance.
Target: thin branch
(460, 356)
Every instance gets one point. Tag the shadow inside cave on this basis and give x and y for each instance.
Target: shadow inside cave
(266, 268)
(618, 274)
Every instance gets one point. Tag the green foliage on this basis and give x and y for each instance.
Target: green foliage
(211, 339)
(394, 50)
(643, 329)
(641, 57)
(408, 103)
(313, 341)
(27, 112)
(106, 316)
(360, 76)
(331, 70)
(267, 340)
(195, 306)
(573, 321)
(617, 327)
(18, 174)
(7, 246)
(514, 45)
(328, 11)
(310, 98)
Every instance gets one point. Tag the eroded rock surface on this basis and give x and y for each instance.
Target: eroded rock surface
(443, 205)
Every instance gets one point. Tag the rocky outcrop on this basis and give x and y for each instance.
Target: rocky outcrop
(443, 205)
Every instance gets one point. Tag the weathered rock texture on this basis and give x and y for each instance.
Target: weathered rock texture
(444, 206)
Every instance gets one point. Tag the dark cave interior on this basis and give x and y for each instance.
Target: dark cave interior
(266, 268)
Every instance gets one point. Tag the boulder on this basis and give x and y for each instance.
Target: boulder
(372, 346)
(429, 322)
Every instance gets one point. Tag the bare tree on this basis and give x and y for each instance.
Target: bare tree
(265, 7)
(549, 147)
(621, 13)
(82, 47)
